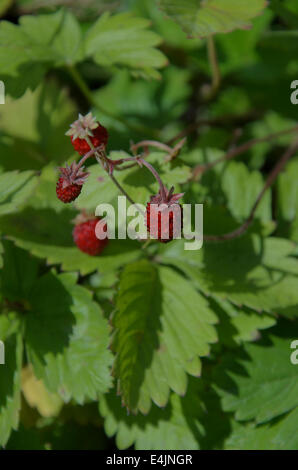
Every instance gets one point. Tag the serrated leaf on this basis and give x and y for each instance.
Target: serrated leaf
(10, 376)
(280, 435)
(15, 189)
(242, 188)
(67, 338)
(238, 325)
(54, 38)
(48, 234)
(124, 40)
(58, 33)
(175, 427)
(201, 19)
(252, 271)
(162, 326)
(263, 384)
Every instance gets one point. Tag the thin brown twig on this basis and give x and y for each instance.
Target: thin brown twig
(151, 143)
(212, 57)
(221, 121)
(270, 180)
(199, 169)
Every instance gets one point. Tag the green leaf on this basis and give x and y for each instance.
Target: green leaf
(280, 435)
(288, 191)
(124, 40)
(201, 19)
(15, 189)
(263, 384)
(177, 426)
(19, 272)
(32, 142)
(162, 326)
(58, 33)
(48, 234)
(252, 271)
(54, 38)
(10, 376)
(238, 325)
(242, 188)
(67, 338)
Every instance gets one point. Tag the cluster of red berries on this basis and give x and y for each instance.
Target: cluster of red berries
(163, 216)
(85, 133)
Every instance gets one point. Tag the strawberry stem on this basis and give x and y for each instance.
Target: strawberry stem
(163, 191)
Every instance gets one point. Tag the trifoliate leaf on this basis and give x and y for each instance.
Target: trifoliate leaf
(177, 426)
(124, 40)
(10, 376)
(15, 189)
(264, 383)
(162, 326)
(251, 271)
(201, 19)
(280, 435)
(67, 338)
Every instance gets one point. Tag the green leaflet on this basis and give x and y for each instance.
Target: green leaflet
(19, 272)
(33, 142)
(252, 271)
(124, 40)
(10, 375)
(241, 188)
(48, 234)
(177, 426)
(54, 38)
(262, 384)
(15, 189)
(67, 338)
(201, 19)
(155, 346)
(280, 435)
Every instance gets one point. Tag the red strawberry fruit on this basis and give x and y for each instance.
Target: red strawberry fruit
(85, 129)
(85, 237)
(70, 182)
(164, 216)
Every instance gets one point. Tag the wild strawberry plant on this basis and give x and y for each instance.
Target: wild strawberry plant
(120, 342)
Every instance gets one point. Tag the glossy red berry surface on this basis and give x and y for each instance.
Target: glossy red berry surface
(68, 193)
(100, 137)
(85, 238)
